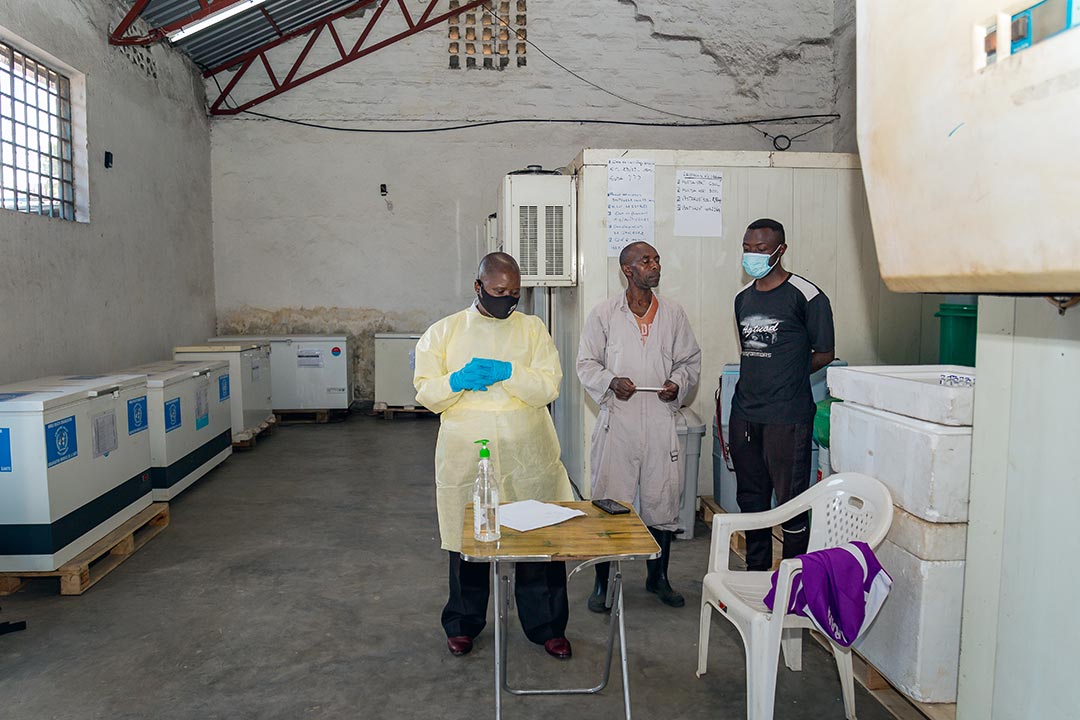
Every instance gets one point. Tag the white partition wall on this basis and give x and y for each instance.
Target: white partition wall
(817, 196)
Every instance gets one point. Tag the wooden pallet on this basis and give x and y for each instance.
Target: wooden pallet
(318, 417)
(91, 565)
(388, 412)
(877, 685)
(247, 439)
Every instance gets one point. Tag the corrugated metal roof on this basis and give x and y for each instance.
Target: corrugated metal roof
(232, 38)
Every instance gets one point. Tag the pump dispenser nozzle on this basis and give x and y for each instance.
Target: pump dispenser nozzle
(484, 452)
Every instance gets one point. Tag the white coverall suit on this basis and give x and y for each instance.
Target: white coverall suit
(512, 414)
(635, 446)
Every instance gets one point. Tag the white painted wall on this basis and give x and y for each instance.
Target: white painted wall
(305, 243)
(136, 279)
(1020, 630)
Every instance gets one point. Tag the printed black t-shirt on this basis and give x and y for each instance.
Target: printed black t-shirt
(777, 330)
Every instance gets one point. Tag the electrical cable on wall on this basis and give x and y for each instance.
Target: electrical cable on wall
(783, 142)
(549, 121)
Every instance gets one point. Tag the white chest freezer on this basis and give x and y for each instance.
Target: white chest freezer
(189, 420)
(395, 361)
(73, 466)
(249, 379)
(308, 372)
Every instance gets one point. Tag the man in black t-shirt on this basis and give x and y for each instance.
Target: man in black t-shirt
(785, 328)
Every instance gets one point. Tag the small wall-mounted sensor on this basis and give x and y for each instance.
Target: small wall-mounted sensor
(108, 159)
(382, 189)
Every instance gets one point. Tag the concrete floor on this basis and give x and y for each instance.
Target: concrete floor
(305, 579)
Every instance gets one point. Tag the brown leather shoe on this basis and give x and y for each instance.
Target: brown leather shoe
(558, 648)
(459, 645)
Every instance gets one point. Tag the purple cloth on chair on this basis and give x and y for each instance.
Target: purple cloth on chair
(839, 589)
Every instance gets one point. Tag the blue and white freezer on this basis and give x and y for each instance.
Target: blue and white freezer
(190, 421)
(249, 381)
(74, 465)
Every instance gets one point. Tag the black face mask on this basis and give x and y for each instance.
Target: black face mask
(498, 306)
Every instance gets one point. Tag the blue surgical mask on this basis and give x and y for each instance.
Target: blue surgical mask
(757, 265)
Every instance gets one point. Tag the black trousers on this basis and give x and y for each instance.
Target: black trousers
(539, 588)
(768, 459)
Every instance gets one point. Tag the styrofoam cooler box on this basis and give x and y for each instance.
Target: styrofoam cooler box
(926, 466)
(249, 379)
(74, 465)
(307, 372)
(928, 540)
(190, 421)
(943, 394)
(915, 639)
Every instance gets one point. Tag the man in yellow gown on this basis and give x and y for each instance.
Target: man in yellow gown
(490, 373)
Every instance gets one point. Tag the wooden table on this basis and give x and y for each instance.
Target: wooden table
(597, 537)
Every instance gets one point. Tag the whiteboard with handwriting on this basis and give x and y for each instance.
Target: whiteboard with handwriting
(698, 201)
(631, 210)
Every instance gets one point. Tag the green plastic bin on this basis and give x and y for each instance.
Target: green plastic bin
(821, 421)
(959, 327)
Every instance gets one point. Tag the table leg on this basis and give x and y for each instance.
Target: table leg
(615, 624)
(622, 643)
(495, 582)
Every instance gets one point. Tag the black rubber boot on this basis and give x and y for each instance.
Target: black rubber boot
(598, 599)
(657, 581)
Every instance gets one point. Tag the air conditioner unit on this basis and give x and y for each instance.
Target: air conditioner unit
(536, 224)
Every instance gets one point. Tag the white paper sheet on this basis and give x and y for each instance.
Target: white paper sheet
(631, 210)
(104, 433)
(202, 405)
(636, 177)
(698, 199)
(630, 219)
(532, 514)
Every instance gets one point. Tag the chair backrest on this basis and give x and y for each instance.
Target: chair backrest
(847, 507)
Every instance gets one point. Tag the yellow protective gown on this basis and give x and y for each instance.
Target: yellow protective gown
(512, 414)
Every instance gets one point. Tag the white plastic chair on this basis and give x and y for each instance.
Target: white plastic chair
(845, 507)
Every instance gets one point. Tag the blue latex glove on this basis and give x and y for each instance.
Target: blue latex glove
(468, 378)
(500, 370)
(492, 371)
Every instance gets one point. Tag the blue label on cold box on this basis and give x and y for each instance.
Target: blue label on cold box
(61, 441)
(223, 388)
(5, 450)
(12, 396)
(172, 414)
(137, 421)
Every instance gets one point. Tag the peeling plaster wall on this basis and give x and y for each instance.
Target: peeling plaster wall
(136, 279)
(303, 242)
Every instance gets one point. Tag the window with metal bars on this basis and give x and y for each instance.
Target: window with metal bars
(37, 171)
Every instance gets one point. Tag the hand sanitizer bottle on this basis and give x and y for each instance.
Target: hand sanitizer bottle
(485, 499)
